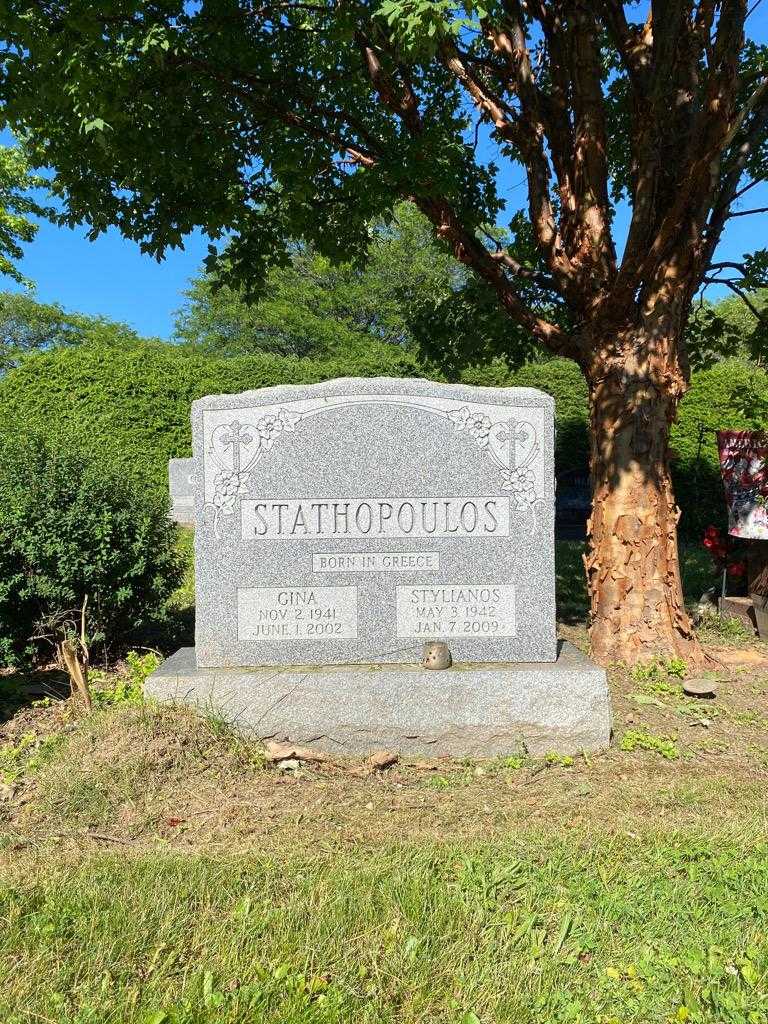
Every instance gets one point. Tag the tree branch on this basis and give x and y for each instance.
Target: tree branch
(261, 96)
(681, 225)
(468, 250)
(526, 132)
(760, 315)
(590, 148)
(726, 265)
(493, 109)
(746, 213)
(634, 52)
(729, 188)
(503, 256)
(400, 101)
(743, 191)
(466, 247)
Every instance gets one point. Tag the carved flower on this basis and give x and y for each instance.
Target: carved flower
(459, 417)
(523, 485)
(479, 427)
(228, 488)
(269, 428)
(288, 420)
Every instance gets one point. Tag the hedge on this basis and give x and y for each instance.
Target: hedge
(130, 405)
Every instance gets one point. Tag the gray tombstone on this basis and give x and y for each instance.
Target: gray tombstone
(341, 525)
(181, 475)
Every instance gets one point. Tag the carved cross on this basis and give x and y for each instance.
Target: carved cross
(508, 437)
(236, 435)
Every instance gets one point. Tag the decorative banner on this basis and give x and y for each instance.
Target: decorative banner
(744, 466)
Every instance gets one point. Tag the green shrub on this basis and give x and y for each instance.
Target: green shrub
(126, 687)
(71, 527)
(130, 405)
(562, 379)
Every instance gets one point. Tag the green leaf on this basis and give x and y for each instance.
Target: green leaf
(96, 124)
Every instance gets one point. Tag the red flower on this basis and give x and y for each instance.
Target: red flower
(737, 569)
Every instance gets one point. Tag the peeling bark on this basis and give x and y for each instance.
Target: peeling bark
(637, 608)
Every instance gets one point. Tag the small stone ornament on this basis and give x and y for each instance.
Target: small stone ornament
(437, 654)
(701, 686)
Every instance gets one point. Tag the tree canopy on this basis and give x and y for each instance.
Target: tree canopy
(733, 326)
(18, 208)
(268, 122)
(408, 290)
(27, 326)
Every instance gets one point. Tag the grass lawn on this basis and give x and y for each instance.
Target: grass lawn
(156, 869)
(540, 928)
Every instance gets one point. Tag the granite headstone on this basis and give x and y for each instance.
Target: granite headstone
(341, 525)
(181, 474)
(348, 522)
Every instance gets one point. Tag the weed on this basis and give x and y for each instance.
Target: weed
(437, 782)
(26, 756)
(515, 762)
(676, 667)
(723, 628)
(562, 760)
(127, 687)
(248, 753)
(648, 671)
(641, 739)
(654, 675)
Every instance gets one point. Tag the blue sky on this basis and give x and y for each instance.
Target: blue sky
(112, 277)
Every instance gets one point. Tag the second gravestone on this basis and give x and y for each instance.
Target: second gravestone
(341, 525)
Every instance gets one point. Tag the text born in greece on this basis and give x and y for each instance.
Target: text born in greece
(376, 561)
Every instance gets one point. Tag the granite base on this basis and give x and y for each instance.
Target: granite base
(465, 711)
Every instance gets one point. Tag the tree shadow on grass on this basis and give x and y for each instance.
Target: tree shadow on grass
(571, 583)
(19, 690)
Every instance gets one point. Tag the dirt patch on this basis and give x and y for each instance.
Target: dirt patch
(751, 657)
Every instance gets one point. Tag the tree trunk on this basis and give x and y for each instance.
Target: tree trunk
(632, 562)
